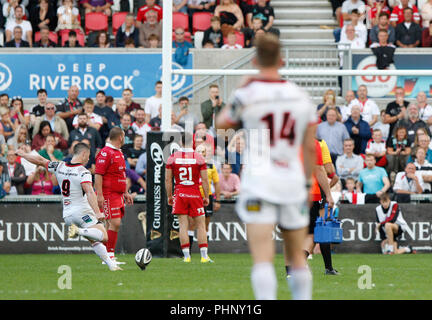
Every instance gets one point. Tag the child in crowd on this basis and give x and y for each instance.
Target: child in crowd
(377, 147)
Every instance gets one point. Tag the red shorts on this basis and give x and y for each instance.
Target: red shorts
(189, 203)
(113, 206)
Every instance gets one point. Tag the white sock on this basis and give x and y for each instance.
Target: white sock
(186, 253)
(91, 233)
(100, 249)
(264, 281)
(203, 251)
(301, 284)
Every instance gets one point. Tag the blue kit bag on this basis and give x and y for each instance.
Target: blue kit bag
(328, 231)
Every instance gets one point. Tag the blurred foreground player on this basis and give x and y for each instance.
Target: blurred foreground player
(187, 167)
(274, 188)
(111, 186)
(80, 209)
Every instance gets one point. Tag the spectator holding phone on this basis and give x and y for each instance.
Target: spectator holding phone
(184, 116)
(211, 107)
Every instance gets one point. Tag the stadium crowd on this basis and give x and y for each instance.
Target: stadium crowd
(52, 130)
(226, 24)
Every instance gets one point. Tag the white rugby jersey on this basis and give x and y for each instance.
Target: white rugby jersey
(70, 177)
(275, 115)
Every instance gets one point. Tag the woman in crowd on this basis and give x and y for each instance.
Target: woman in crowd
(68, 17)
(18, 113)
(43, 15)
(42, 182)
(102, 40)
(44, 131)
(20, 137)
(398, 151)
(329, 102)
(231, 16)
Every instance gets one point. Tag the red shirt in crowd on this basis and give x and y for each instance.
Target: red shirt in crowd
(141, 15)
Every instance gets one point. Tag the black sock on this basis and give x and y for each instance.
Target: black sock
(287, 269)
(326, 254)
(190, 242)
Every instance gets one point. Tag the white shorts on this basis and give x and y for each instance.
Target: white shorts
(251, 209)
(81, 219)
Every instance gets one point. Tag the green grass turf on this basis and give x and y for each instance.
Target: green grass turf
(36, 277)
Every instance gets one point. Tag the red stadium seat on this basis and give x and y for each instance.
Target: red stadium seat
(240, 39)
(80, 37)
(187, 36)
(118, 19)
(201, 21)
(180, 20)
(52, 36)
(96, 21)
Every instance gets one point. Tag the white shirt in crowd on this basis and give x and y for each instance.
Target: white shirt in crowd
(373, 147)
(95, 118)
(360, 31)
(25, 26)
(152, 105)
(403, 183)
(236, 46)
(368, 109)
(142, 131)
(350, 5)
(424, 169)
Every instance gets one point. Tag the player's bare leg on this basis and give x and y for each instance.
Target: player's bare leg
(191, 231)
(390, 230)
(300, 279)
(202, 238)
(262, 248)
(184, 238)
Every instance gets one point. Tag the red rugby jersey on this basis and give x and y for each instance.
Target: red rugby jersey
(110, 163)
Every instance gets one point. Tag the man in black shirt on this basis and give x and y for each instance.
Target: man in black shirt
(39, 109)
(396, 110)
(263, 11)
(70, 107)
(408, 33)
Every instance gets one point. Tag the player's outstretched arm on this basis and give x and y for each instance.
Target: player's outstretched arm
(92, 199)
(33, 158)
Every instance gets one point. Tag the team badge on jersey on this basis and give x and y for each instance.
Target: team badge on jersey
(253, 205)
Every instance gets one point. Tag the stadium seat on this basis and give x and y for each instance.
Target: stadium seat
(180, 20)
(201, 21)
(96, 21)
(52, 36)
(187, 36)
(240, 38)
(80, 37)
(118, 19)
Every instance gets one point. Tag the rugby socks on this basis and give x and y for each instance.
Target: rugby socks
(112, 240)
(191, 238)
(101, 251)
(91, 233)
(300, 283)
(185, 250)
(204, 250)
(264, 281)
(326, 254)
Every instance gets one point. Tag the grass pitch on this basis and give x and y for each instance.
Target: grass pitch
(37, 277)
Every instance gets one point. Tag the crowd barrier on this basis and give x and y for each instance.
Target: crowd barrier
(36, 226)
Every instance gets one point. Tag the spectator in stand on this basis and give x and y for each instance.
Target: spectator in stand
(184, 117)
(42, 182)
(127, 30)
(265, 12)
(102, 40)
(48, 150)
(125, 125)
(329, 102)
(398, 150)
(153, 103)
(102, 6)
(383, 51)
(359, 27)
(70, 107)
(72, 41)
(349, 164)
(141, 165)
(56, 123)
(345, 110)
(155, 123)
(21, 137)
(208, 45)
(383, 24)
(17, 41)
(43, 15)
(349, 193)
(408, 181)
(413, 123)
(382, 126)
(422, 141)
(94, 120)
(427, 36)
(67, 15)
(4, 101)
(109, 100)
(369, 109)
(396, 110)
(45, 41)
(377, 147)
(100, 100)
(39, 109)
(9, 8)
(251, 33)
(232, 41)
(180, 6)
(149, 6)
(425, 109)
(85, 132)
(179, 41)
(131, 106)
(211, 107)
(154, 41)
(141, 126)
(334, 133)
(106, 113)
(18, 112)
(426, 14)
(120, 110)
(349, 37)
(373, 181)
(408, 33)
(348, 6)
(229, 182)
(16, 173)
(358, 130)
(231, 16)
(18, 21)
(8, 124)
(134, 151)
(5, 183)
(214, 33)
(398, 13)
(29, 167)
(43, 131)
(424, 168)
(376, 10)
